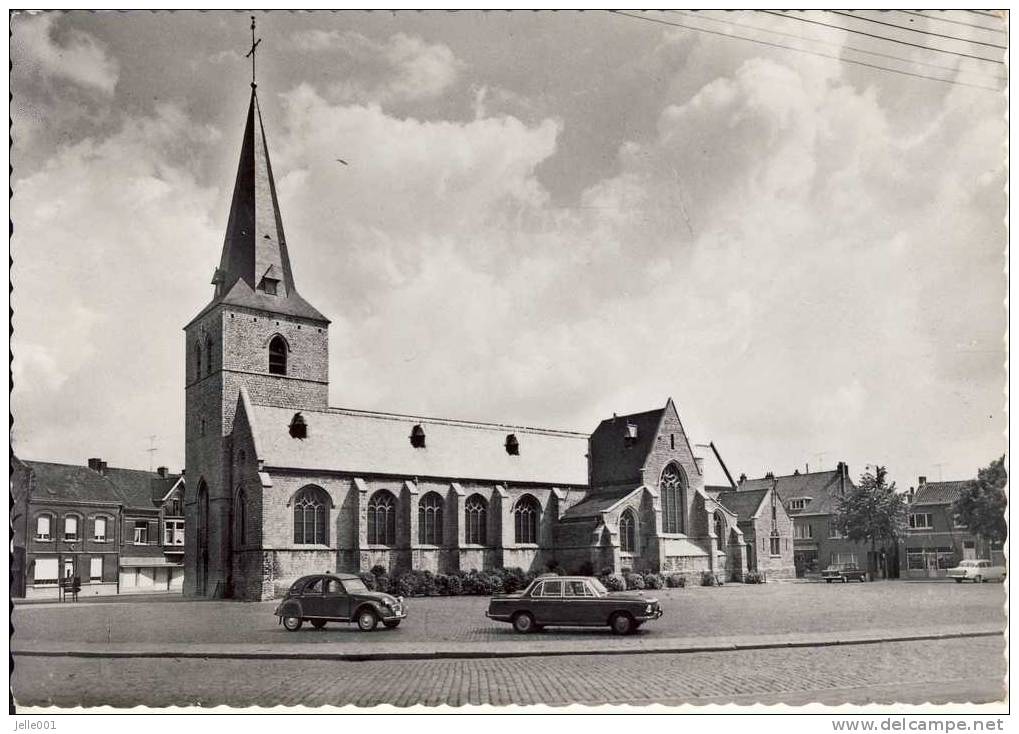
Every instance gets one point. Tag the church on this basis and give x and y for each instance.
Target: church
(280, 484)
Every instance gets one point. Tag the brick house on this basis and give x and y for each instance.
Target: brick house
(935, 540)
(280, 484)
(78, 521)
(810, 500)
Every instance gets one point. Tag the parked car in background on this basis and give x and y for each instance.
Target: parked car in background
(976, 571)
(843, 572)
(323, 598)
(573, 601)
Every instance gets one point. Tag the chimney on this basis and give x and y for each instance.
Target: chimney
(97, 465)
(162, 471)
(843, 475)
(796, 472)
(742, 478)
(770, 475)
(920, 482)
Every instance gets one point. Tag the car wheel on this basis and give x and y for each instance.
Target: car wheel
(318, 623)
(621, 623)
(366, 620)
(292, 624)
(827, 581)
(978, 579)
(391, 624)
(523, 622)
(958, 581)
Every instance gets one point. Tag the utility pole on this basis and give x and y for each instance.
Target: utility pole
(151, 449)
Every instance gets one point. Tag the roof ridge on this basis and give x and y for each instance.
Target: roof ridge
(433, 419)
(86, 466)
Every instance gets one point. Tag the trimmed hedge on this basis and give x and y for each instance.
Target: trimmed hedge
(755, 577)
(675, 581)
(634, 582)
(653, 581)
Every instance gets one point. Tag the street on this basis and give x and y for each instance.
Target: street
(915, 672)
(176, 637)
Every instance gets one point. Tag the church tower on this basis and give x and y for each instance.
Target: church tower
(257, 332)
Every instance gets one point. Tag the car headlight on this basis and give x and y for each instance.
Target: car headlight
(650, 608)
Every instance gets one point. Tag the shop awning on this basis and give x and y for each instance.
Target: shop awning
(142, 562)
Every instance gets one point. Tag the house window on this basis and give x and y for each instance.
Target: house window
(512, 445)
(799, 504)
(776, 544)
(672, 496)
(95, 569)
(833, 530)
(382, 519)
(298, 428)
(475, 520)
(921, 521)
(430, 519)
(173, 532)
(141, 532)
(70, 528)
(525, 520)
(42, 528)
(843, 558)
(99, 529)
(175, 507)
(310, 517)
(803, 531)
(277, 356)
(957, 521)
(417, 437)
(269, 286)
(630, 437)
(46, 572)
(627, 533)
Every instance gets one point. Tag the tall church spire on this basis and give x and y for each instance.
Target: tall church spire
(254, 269)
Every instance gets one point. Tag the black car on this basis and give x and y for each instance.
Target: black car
(339, 597)
(843, 572)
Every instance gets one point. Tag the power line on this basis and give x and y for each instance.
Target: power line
(942, 19)
(803, 51)
(879, 37)
(836, 45)
(913, 30)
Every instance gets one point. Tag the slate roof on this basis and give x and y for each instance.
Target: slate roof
(71, 483)
(938, 493)
(819, 487)
(363, 442)
(744, 503)
(140, 489)
(594, 506)
(617, 461)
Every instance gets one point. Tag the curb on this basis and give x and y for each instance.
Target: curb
(490, 654)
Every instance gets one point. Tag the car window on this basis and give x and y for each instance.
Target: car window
(597, 586)
(313, 587)
(576, 588)
(552, 588)
(355, 586)
(333, 586)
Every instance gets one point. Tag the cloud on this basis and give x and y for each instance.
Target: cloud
(401, 68)
(78, 57)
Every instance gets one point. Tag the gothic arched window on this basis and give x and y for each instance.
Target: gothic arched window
(198, 360)
(241, 512)
(208, 355)
(382, 518)
(525, 519)
(310, 514)
(628, 532)
(430, 519)
(278, 356)
(720, 529)
(672, 492)
(475, 520)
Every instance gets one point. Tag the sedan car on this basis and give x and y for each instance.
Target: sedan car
(976, 571)
(843, 572)
(572, 601)
(339, 597)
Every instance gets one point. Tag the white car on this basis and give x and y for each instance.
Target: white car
(976, 571)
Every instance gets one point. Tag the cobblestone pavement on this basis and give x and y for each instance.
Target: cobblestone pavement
(773, 608)
(910, 672)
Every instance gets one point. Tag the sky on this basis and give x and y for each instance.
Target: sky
(547, 218)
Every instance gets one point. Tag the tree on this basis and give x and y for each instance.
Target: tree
(982, 504)
(872, 512)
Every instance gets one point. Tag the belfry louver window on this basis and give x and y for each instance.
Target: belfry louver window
(277, 356)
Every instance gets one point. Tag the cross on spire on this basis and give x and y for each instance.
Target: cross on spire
(251, 53)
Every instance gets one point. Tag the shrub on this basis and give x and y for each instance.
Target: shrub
(586, 569)
(652, 581)
(405, 584)
(634, 581)
(383, 583)
(454, 585)
(606, 571)
(755, 577)
(626, 571)
(441, 584)
(378, 570)
(613, 582)
(426, 584)
(369, 580)
(676, 580)
(496, 583)
(708, 579)
(513, 579)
